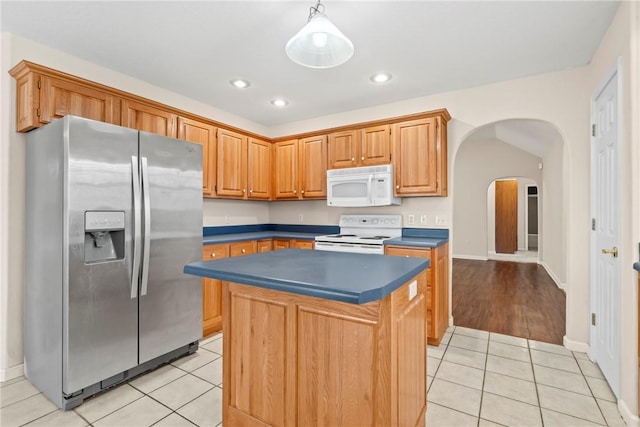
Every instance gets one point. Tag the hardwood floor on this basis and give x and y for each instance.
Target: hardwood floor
(511, 298)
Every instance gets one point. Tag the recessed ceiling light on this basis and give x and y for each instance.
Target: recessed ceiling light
(380, 77)
(279, 102)
(239, 83)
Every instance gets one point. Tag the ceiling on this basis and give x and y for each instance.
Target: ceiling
(196, 48)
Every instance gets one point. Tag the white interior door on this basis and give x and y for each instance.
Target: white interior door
(605, 263)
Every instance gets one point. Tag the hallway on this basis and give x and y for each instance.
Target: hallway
(511, 298)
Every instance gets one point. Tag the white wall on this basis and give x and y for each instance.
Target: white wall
(561, 99)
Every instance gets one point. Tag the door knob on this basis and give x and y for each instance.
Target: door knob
(613, 251)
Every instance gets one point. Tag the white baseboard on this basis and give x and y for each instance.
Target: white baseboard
(629, 417)
(11, 373)
(560, 285)
(473, 257)
(582, 347)
(450, 320)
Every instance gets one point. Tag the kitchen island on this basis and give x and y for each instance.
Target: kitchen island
(322, 338)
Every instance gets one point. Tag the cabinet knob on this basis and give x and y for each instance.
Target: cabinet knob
(295, 191)
(244, 191)
(244, 251)
(213, 254)
(353, 159)
(397, 186)
(362, 158)
(250, 191)
(302, 191)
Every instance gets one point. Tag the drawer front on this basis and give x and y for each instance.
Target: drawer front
(210, 252)
(242, 248)
(408, 252)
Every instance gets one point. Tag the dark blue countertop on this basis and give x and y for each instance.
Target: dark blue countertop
(636, 266)
(419, 237)
(337, 276)
(239, 237)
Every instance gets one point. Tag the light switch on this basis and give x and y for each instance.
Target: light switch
(413, 289)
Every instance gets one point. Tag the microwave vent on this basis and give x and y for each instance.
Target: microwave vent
(362, 170)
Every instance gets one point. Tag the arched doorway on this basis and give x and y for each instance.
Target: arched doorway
(527, 149)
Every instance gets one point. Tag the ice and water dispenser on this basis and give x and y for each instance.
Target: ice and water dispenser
(103, 236)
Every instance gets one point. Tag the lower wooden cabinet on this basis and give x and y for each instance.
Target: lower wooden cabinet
(437, 294)
(212, 291)
(279, 244)
(212, 288)
(265, 245)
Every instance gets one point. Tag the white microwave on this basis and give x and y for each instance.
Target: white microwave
(365, 186)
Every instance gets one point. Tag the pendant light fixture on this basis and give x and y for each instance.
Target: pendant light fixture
(319, 44)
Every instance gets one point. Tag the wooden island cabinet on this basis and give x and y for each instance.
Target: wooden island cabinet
(302, 349)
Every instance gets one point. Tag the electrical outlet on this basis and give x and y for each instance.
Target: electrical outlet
(441, 220)
(411, 219)
(226, 219)
(423, 219)
(300, 217)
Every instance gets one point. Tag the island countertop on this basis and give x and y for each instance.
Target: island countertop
(338, 276)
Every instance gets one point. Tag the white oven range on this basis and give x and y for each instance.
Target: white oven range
(361, 234)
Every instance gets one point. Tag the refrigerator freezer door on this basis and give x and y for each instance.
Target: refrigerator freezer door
(170, 301)
(100, 333)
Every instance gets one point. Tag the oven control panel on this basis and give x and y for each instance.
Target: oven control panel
(371, 221)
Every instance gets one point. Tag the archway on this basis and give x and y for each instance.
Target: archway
(513, 148)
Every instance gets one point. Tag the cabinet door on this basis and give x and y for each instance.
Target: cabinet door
(420, 253)
(279, 244)
(259, 169)
(59, 98)
(343, 150)
(205, 135)
(265, 245)
(27, 100)
(242, 248)
(375, 148)
(212, 292)
(148, 119)
(415, 157)
(302, 244)
(286, 169)
(313, 167)
(232, 164)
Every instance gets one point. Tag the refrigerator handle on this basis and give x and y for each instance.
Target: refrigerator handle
(137, 240)
(147, 227)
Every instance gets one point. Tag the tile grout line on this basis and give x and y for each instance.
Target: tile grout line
(606, 422)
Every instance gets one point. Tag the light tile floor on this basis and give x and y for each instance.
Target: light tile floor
(475, 378)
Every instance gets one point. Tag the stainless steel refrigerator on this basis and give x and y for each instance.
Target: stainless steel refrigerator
(112, 217)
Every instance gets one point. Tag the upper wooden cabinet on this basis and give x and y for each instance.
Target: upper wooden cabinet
(44, 94)
(362, 147)
(244, 166)
(312, 163)
(301, 168)
(419, 157)
(205, 135)
(232, 164)
(237, 163)
(140, 116)
(259, 169)
(286, 170)
(374, 146)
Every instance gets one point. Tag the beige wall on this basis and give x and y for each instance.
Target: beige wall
(561, 99)
(621, 44)
(477, 165)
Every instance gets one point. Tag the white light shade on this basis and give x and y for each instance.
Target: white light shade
(319, 44)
